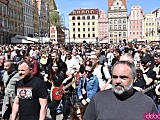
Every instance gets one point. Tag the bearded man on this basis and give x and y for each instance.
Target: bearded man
(122, 102)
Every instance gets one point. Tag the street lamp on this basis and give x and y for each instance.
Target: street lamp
(63, 25)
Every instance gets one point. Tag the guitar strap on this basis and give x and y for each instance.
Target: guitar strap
(84, 87)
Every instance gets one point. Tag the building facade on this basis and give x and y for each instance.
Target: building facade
(4, 28)
(28, 17)
(103, 26)
(156, 14)
(83, 24)
(15, 15)
(117, 21)
(135, 23)
(149, 27)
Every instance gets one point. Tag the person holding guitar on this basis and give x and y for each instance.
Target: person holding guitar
(59, 80)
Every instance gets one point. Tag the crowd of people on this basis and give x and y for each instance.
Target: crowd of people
(88, 81)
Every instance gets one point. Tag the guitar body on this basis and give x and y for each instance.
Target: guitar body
(57, 92)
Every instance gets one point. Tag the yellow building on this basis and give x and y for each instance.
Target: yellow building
(15, 15)
(156, 14)
(83, 25)
(149, 27)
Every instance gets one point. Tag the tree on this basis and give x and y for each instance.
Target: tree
(55, 19)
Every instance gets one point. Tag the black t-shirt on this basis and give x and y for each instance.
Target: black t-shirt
(151, 74)
(29, 92)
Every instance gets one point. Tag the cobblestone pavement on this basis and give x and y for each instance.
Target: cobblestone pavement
(48, 117)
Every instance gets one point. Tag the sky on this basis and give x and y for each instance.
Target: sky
(67, 6)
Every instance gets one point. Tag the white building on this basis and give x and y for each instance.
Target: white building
(28, 12)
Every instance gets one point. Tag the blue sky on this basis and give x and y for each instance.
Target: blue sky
(66, 6)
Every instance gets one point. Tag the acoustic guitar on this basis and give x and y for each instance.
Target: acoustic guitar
(57, 92)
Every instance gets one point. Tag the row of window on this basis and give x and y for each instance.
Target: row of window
(15, 27)
(28, 31)
(84, 29)
(137, 22)
(83, 11)
(15, 3)
(15, 14)
(120, 34)
(84, 36)
(119, 27)
(84, 23)
(3, 9)
(117, 21)
(28, 20)
(83, 17)
(135, 27)
(135, 33)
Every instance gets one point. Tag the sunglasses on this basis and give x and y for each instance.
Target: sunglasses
(87, 71)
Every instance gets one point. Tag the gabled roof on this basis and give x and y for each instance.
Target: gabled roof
(110, 2)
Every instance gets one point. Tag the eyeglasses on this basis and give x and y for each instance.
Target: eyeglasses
(87, 71)
(54, 66)
(122, 77)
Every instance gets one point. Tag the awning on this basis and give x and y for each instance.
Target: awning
(103, 41)
(17, 40)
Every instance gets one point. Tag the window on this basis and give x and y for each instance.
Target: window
(88, 17)
(93, 35)
(73, 29)
(73, 24)
(73, 18)
(93, 29)
(119, 27)
(93, 17)
(0, 9)
(78, 29)
(83, 29)
(124, 21)
(88, 23)
(78, 18)
(84, 35)
(88, 29)
(78, 23)
(92, 23)
(74, 36)
(124, 34)
(79, 35)
(83, 18)
(83, 23)
(89, 35)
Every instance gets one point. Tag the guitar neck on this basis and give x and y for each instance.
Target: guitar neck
(149, 88)
(69, 84)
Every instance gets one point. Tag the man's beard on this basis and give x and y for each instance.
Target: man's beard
(122, 90)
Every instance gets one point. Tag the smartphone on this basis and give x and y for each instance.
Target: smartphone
(138, 63)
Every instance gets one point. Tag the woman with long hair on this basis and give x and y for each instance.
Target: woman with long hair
(58, 80)
(77, 111)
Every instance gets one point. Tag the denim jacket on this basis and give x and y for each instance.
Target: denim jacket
(92, 87)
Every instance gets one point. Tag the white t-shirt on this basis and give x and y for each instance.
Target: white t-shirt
(97, 72)
(72, 65)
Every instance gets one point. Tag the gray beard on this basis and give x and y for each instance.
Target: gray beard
(120, 91)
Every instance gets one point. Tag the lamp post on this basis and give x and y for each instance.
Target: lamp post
(63, 25)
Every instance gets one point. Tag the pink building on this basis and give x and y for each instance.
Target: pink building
(135, 22)
(103, 26)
